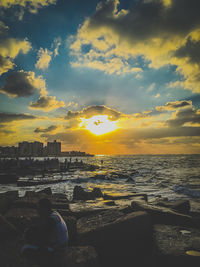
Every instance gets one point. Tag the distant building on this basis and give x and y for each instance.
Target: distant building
(9, 151)
(34, 149)
(54, 148)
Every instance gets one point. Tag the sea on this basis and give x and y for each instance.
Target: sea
(159, 176)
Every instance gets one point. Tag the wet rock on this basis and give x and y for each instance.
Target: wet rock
(80, 194)
(84, 209)
(34, 194)
(119, 239)
(182, 206)
(42, 193)
(31, 202)
(99, 177)
(7, 230)
(118, 197)
(173, 244)
(46, 191)
(6, 200)
(97, 192)
(110, 203)
(130, 180)
(81, 257)
(60, 196)
(163, 215)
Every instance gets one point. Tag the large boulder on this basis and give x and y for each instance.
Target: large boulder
(163, 215)
(7, 230)
(6, 200)
(80, 257)
(83, 209)
(46, 191)
(121, 197)
(119, 239)
(182, 206)
(21, 218)
(175, 246)
(80, 194)
(31, 202)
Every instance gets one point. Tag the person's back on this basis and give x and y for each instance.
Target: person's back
(59, 236)
(48, 239)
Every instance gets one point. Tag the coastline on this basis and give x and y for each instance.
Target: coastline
(130, 224)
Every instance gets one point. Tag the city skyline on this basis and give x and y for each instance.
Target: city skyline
(36, 149)
(102, 76)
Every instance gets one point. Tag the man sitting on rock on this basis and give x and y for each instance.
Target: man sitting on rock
(47, 239)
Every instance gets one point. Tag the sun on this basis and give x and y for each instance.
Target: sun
(98, 125)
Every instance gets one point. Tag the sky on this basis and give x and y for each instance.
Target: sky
(105, 77)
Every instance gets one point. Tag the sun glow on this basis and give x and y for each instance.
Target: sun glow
(98, 125)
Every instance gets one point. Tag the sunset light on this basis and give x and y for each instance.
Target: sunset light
(98, 125)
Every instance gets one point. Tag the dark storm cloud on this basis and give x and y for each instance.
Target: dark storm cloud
(8, 117)
(149, 18)
(174, 105)
(95, 110)
(18, 84)
(183, 116)
(45, 130)
(191, 50)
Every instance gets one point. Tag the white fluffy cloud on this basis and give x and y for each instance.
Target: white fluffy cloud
(163, 32)
(44, 58)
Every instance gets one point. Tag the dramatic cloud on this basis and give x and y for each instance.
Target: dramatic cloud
(47, 103)
(44, 58)
(182, 116)
(163, 32)
(31, 5)
(190, 50)
(174, 105)
(46, 130)
(128, 140)
(22, 83)
(8, 117)
(9, 49)
(95, 110)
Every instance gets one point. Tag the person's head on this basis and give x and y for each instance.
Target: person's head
(44, 207)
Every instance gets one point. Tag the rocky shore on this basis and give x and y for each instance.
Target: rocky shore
(124, 231)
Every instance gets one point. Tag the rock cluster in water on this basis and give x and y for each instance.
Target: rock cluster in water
(125, 231)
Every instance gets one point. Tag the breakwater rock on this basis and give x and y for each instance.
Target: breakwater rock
(130, 232)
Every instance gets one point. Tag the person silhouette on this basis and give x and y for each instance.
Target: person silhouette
(47, 239)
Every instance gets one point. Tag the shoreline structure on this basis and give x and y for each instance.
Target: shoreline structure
(123, 231)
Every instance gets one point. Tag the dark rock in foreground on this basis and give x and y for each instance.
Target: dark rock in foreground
(81, 257)
(119, 239)
(174, 244)
(182, 206)
(6, 200)
(163, 215)
(7, 230)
